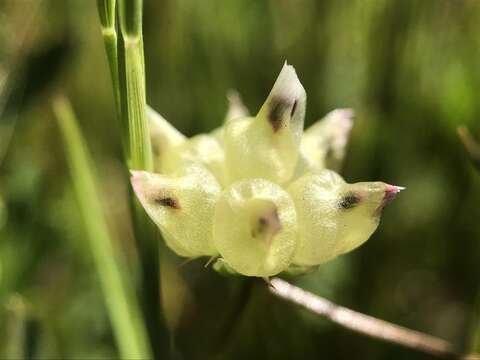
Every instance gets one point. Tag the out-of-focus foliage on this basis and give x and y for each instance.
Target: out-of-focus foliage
(410, 70)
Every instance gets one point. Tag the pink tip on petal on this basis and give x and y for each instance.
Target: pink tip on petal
(137, 179)
(390, 192)
(393, 189)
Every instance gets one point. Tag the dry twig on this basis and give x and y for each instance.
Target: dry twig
(471, 146)
(365, 324)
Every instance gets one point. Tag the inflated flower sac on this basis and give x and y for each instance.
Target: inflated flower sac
(182, 206)
(259, 193)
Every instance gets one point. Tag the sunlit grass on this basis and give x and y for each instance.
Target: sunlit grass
(118, 293)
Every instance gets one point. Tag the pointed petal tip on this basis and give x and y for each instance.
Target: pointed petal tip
(394, 189)
(288, 72)
(391, 192)
(236, 108)
(135, 173)
(233, 95)
(285, 102)
(288, 87)
(137, 177)
(346, 112)
(343, 118)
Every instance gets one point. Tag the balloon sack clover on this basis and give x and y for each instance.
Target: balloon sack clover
(259, 193)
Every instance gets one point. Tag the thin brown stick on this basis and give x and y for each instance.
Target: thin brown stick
(471, 146)
(365, 324)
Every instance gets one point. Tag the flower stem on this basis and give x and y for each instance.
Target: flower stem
(131, 69)
(106, 11)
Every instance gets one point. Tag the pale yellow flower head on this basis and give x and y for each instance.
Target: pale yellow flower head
(259, 193)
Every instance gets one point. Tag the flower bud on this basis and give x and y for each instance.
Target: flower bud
(236, 108)
(163, 135)
(335, 217)
(182, 207)
(323, 144)
(201, 149)
(267, 146)
(255, 227)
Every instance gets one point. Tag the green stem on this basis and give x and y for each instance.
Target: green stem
(139, 138)
(126, 61)
(133, 101)
(106, 11)
(111, 45)
(120, 300)
(475, 329)
(133, 91)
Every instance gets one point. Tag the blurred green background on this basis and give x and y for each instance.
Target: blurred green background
(409, 68)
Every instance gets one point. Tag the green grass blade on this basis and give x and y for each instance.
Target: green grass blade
(121, 303)
(139, 139)
(106, 11)
(130, 86)
(107, 14)
(133, 91)
(130, 12)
